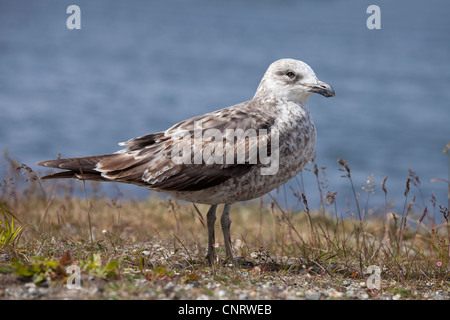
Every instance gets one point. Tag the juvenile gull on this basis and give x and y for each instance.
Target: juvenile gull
(277, 113)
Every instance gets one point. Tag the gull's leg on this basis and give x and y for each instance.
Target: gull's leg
(226, 223)
(211, 219)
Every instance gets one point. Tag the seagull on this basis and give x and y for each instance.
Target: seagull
(212, 159)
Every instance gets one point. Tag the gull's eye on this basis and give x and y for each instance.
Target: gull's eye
(290, 74)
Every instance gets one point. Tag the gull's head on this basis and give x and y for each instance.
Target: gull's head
(292, 80)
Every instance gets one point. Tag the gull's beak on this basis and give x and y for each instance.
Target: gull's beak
(322, 88)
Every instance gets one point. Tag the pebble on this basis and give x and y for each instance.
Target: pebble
(221, 294)
(5, 256)
(336, 294)
(364, 296)
(346, 283)
(31, 288)
(312, 295)
(244, 296)
(300, 294)
(437, 296)
(169, 287)
(351, 294)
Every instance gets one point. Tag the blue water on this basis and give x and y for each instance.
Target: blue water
(140, 66)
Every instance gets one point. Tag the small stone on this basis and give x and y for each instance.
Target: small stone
(336, 294)
(30, 285)
(437, 296)
(244, 296)
(396, 297)
(312, 296)
(5, 256)
(32, 291)
(221, 293)
(169, 287)
(351, 294)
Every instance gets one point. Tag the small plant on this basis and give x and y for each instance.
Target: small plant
(93, 264)
(9, 235)
(160, 273)
(39, 270)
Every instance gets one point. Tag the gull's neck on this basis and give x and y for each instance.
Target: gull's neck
(267, 91)
(265, 95)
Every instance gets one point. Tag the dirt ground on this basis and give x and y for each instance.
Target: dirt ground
(161, 272)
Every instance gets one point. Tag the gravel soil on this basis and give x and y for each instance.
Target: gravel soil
(167, 274)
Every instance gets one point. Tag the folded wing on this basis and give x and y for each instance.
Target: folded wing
(192, 155)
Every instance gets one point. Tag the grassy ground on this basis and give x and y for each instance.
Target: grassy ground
(155, 248)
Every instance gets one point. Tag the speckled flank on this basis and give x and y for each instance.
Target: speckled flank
(297, 141)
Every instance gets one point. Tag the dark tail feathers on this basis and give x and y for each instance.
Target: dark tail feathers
(78, 168)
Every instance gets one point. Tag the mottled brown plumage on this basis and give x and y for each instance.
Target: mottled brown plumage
(212, 158)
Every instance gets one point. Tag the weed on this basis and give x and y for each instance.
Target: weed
(9, 234)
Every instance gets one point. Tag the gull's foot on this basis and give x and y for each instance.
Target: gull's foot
(210, 258)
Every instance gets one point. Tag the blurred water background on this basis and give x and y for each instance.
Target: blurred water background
(137, 67)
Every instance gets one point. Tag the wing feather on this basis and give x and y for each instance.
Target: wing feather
(214, 147)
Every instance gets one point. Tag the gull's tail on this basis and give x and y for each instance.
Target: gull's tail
(78, 168)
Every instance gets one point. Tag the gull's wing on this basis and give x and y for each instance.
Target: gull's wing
(194, 154)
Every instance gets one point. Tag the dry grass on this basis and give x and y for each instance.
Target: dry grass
(158, 239)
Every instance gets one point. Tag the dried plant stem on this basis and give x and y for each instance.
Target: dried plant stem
(322, 206)
(361, 226)
(87, 203)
